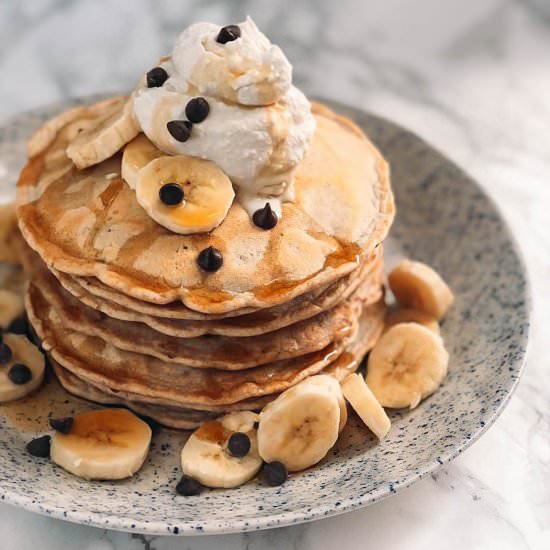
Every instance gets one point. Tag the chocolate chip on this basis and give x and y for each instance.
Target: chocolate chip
(40, 446)
(62, 425)
(156, 77)
(180, 130)
(19, 325)
(238, 444)
(5, 353)
(210, 259)
(265, 218)
(256, 425)
(20, 374)
(171, 194)
(275, 473)
(188, 487)
(197, 109)
(228, 34)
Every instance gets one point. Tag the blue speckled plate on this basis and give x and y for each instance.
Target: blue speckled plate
(444, 219)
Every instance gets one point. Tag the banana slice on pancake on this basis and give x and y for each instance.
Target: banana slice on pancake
(408, 364)
(137, 154)
(207, 456)
(113, 128)
(300, 427)
(184, 194)
(103, 444)
(22, 367)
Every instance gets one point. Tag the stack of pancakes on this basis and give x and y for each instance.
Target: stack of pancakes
(127, 316)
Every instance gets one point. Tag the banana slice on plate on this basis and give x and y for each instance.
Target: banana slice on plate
(408, 363)
(207, 458)
(12, 306)
(184, 194)
(22, 367)
(300, 426)
(137, 154)
(103, 444)
(365, 404)
(410, 315)
(416, 285)
(112, 129)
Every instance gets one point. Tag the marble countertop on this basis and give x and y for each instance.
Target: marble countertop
(472, 80)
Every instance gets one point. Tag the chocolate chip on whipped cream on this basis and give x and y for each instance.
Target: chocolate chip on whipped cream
(156, 77)
(228, 34)
(180, 130)
(234, 104)
(265, 218)
(197, 110)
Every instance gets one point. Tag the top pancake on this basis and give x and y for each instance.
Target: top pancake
(88, 223)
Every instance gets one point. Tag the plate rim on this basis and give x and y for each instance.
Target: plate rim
(211, 526)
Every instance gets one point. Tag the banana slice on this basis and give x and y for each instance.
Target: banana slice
(408, 363)
(416, 285)
(366, 405)
(329, 382)
(23, 353)
(205, 456)
(103, 444)
(300, 426)
(137, 154)
(113, 129)
(12, 306)
(8, 223)
(409, 315)
(207, 193)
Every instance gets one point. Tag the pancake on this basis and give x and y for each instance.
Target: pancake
(220, 352)
(370, 328)
(88, 223)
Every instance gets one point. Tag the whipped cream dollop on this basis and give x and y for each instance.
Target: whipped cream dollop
(257, 127)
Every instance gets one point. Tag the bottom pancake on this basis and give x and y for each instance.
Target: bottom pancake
(370, 327)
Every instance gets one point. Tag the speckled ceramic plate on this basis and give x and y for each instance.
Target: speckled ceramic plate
(444, 219)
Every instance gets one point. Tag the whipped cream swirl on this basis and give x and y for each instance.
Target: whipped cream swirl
(259, 126)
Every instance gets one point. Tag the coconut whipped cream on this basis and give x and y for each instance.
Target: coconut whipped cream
(257, 126)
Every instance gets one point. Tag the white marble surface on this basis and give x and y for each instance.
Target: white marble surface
(472, 78)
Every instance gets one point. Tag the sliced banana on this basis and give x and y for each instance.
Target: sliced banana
(207, 193)
(416, 285)
(205, 456)
(8, 223)
(300, 426)
(12, 306)
(103, 444)
(365, 404)
(137, 154)
(329, 382)
(113, 128)
(24, 353)
(408, 363)
(409, 315)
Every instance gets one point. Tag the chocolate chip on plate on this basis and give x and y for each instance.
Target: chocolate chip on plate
(228, 34)
(197, 109)
(188, 487)
(20, 374)
(210, 259)
(156, 77)
(62, 425)
(275, 473)
(265, 218)
(19, 325)
(171, 194)
(180, 130)
(238, 444)
(5, 353)
(40, 446)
